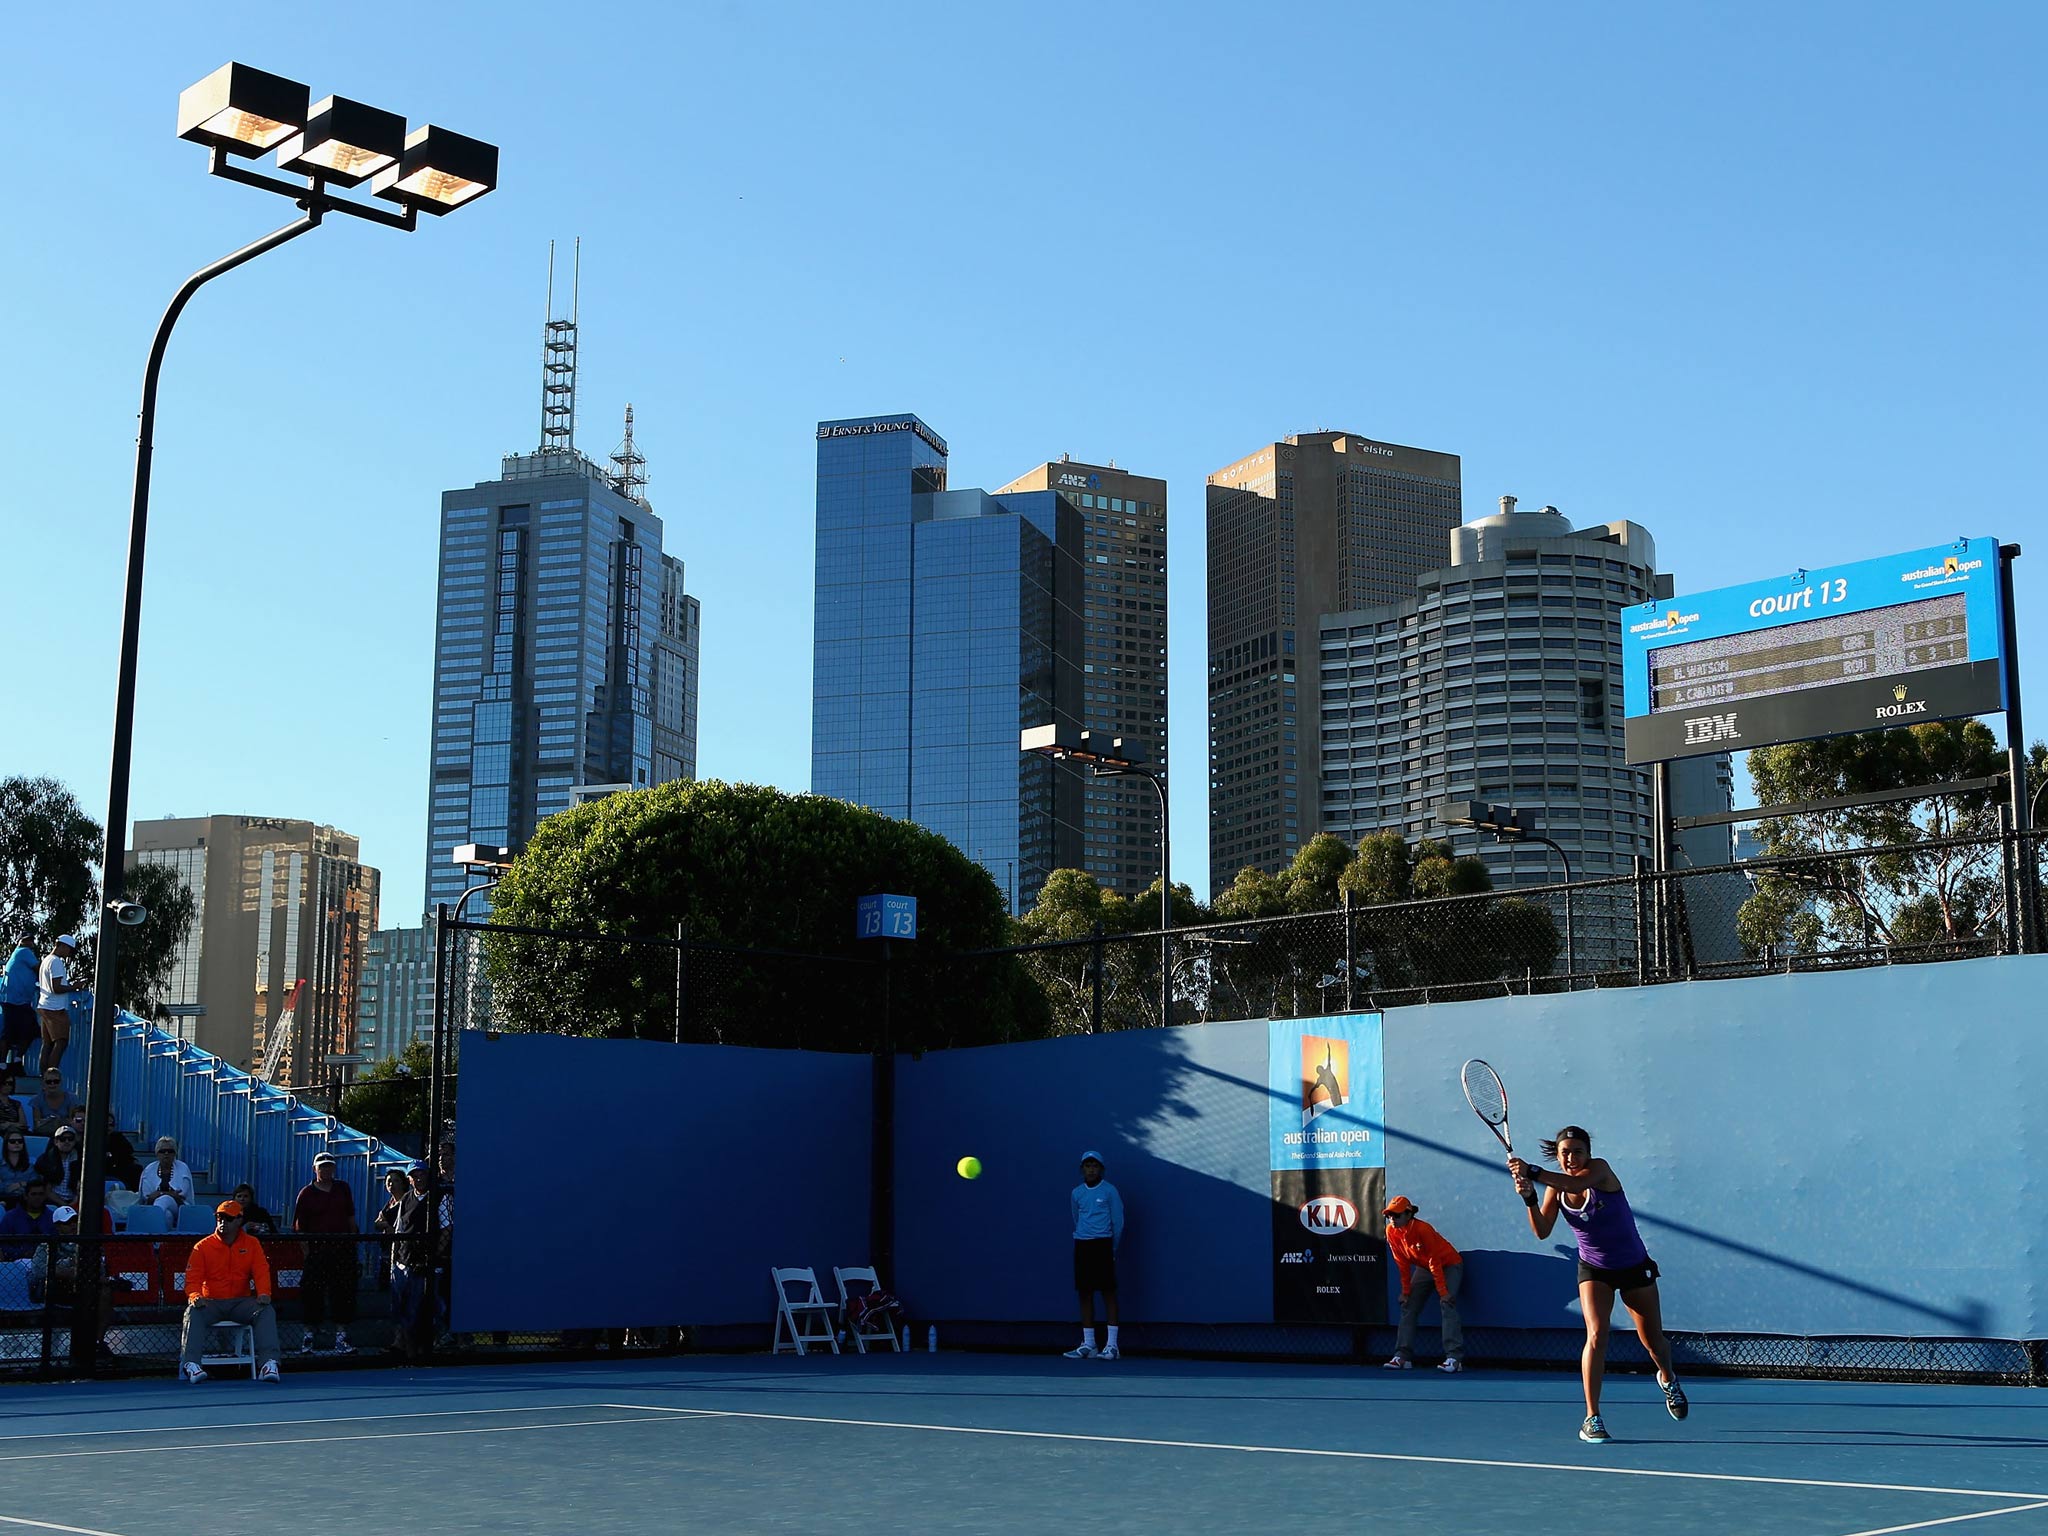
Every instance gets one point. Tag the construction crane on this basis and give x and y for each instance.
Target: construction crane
(280, 1033)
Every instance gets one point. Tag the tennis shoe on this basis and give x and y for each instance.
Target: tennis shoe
(1451, 1365)
(305, 1344)
(1674, 1399)
(1082, 1352)
(1398, 1363)
(268, 1372)
(1593, 1431)
(193, 1374)
(1110, 1352)
(341, 1344)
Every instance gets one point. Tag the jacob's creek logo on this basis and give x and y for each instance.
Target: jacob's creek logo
(1952, 568)
(1328, 1215)
(1705, 730)
(1901, 707)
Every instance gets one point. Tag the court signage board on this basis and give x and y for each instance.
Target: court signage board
(1902, 640)
(885, 917)
(1326, 1140)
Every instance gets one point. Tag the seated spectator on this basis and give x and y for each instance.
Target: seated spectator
(59, 1164)
(256, 1221)
(122, 1163)
(52, 1107)
(167, 1182)
(31, 1218)
(54, 1272)
(15, 1168)
(227, 1280)
(12, 1115)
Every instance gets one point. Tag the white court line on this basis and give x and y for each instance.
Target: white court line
(1922, 1525)
(347, 1418)
(1297, 1450)
(46, 1525)
(193, 1447)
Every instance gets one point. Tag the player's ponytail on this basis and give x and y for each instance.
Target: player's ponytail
(1569, 1133)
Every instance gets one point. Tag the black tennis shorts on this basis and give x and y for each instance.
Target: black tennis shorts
(1095, 1264)
(1633, 1278)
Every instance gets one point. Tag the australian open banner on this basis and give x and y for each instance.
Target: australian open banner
(1326, 1097)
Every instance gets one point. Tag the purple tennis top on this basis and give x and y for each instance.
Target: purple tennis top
(1606, 1230)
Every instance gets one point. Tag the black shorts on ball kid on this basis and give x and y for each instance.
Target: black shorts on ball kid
(1094, 1264)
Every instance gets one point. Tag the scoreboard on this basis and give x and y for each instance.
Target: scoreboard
(1910, 638)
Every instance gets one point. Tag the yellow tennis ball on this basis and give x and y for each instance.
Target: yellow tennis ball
(969, 1167)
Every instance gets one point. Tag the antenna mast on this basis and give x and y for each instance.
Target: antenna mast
(629, 473)
(558, 363)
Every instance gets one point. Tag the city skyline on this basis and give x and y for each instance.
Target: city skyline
(1713, 322)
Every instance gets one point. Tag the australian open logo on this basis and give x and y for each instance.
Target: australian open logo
(1329, 1215)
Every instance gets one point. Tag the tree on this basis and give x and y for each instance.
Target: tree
(743, 867)
(49, 884)
(49, 849)
(389, 1099)
(1932, 873)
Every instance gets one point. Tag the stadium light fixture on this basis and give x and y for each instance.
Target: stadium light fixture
(345, 142)
(438, 171)
(1509, 825)
(241, 110)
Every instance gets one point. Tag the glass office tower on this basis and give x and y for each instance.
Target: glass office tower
(565, 655)
(947, 621)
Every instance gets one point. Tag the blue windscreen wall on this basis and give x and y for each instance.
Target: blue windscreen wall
(625, 1183)
(1847, 1153)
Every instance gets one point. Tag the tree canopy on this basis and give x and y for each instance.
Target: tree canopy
(747, 867)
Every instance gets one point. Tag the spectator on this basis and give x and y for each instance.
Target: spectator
(256, 1221)
(167, 1182)
(31, 1218)
(15, 1168)
(326, 1209)
(12, 1115)
(396, 1186)
(227, 1280)
(53, 1005)
(54, 1273)
(1097, 1211)
(59, 1164)
(1414, 1244)
(121, 1160)
(413, 1262)
(52, 1107)
(18, 1027)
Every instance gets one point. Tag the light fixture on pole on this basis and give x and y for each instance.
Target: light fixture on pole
(1512, 826)
(1107, 760)
(236, 113)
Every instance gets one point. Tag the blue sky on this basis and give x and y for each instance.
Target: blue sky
(1765, 279)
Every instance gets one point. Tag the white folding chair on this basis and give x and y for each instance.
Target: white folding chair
(871, 1334)
(242, 1350)
(795, 1314)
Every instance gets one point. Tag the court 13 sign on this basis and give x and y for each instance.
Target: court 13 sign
(1326, 1097)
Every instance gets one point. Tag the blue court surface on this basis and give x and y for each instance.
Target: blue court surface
(958, 1442)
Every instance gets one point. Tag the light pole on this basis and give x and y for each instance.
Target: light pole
(1511, 826)
(1063, 745)
(242, 112)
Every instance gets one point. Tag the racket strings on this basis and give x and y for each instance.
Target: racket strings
(1484, 1092)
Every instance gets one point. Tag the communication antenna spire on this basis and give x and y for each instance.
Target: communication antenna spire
(629, 473)
(558, 363)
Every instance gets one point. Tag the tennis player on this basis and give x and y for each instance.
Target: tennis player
(1612, 1258)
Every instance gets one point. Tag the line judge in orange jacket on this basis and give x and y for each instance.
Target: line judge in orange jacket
(1415, 1244)
(227, 1280)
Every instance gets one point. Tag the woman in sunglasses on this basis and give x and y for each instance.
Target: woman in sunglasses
(15, 1168)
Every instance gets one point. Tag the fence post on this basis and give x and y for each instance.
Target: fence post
(882, 1140)
(1350, 968)
(1095, 965)
(1642, 937)
(682, 978)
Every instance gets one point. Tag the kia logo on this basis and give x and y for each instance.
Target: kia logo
(1329, 1215)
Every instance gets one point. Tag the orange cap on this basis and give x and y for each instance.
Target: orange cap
(1400, 1205)
(228, 1208)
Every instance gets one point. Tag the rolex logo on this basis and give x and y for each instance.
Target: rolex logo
(1899, 692)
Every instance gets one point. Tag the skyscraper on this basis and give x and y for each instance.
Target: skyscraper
(1322, 522)
(1123, 655)
(1498, 678)
(946, 622)
(565, 647)
(276, 903)
(397, 999)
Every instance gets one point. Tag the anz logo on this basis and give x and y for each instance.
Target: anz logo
(1705, 730)
(1305, 1256)
(1329, 1215)
(1081, 482)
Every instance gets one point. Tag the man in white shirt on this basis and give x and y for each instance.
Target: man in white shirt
(167, 1182)
(53, 1004)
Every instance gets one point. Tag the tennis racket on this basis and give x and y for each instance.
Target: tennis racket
(1488, 1097)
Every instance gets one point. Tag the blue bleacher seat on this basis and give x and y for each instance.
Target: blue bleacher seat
(146, 1219)
(195, 1216)
(37, 1146)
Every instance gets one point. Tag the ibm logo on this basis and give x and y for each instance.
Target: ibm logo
(1705, 730)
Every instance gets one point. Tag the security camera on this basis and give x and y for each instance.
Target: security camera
(129, 914)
